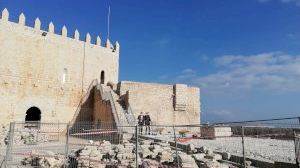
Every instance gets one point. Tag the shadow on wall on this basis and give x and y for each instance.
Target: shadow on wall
(86, 110)
(83, 125)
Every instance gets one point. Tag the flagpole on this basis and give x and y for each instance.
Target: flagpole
(108, 17)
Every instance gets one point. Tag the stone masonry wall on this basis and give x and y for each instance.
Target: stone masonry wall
(158, 100)
(50, 71)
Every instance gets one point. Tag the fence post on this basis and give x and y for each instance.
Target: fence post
(10, 142)
(297, 148)
(136, 146)
(67, 145)
(58, 130)
(243, 145)
(175, 140)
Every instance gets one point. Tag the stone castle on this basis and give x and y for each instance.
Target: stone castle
(51, 77)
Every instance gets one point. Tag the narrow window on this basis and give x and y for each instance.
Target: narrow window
(102, 77)
(64, 77)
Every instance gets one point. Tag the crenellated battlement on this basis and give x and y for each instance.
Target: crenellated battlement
(63, 32)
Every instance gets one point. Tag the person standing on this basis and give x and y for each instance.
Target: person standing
(147, 122)
(141, 122)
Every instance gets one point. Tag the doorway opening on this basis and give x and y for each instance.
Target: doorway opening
(33, 114)
(102, 77)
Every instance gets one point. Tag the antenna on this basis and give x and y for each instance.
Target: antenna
(108, 16)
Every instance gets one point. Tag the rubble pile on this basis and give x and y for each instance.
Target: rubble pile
(150, 154)
(44, 159)
(27, 136)
(3, 136)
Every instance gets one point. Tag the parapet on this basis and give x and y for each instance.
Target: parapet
(63, 32)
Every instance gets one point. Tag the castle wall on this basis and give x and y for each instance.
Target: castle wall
(47, 70)
(159, 101)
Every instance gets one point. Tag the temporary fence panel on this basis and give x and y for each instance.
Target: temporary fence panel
(86, 144)
(103, 145)
(267, 146)
(30, 142)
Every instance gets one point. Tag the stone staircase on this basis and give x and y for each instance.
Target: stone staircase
(123, 115)
(127, 111)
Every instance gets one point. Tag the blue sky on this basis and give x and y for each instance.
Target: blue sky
(244, 55)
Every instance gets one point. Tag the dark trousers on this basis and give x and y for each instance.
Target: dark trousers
(140, 128)
(148, 129)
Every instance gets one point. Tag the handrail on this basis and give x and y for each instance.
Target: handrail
(121, 114)
(129, 110)
(84, 98)
(113, 106)
(264, 120)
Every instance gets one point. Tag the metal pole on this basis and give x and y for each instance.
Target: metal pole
(58, 130)
(175, 140)
(243, 145)
(67, 146)
(10, 142)
(37, 133)
(108, 17)
(297, 148)
(136, 146)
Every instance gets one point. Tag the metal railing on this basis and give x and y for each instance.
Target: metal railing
(113, 105)
(84, 145)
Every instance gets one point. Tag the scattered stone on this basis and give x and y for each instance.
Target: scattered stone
(226, 155)
(165, 157)
(145, 152)
(150, 154)
(199, 156)
(185, 161)
(209, 152)
(190, 148)
(147, 163)
(43, 159)
(214, 164)
(248, 163)
(202, 149)
(146, 142)
(214, 157)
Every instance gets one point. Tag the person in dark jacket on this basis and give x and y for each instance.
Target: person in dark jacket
(141, 122)
(147, 122)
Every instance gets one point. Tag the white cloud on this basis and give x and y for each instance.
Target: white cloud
(204, 58)
(227, 114)
(188, 71)
(186, 76)
(296, 2)
(163, 77)
(263, 1)
(163, 42)
(269, 71)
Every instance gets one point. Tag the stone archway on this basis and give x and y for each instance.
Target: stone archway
(33, 114)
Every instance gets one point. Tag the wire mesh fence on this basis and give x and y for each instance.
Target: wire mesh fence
(86, 144)
(27, 141)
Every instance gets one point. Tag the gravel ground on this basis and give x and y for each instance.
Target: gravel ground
(257, 148)
(271, 149)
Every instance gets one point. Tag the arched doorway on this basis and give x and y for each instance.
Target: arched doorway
(33, 114)
(102, 77)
